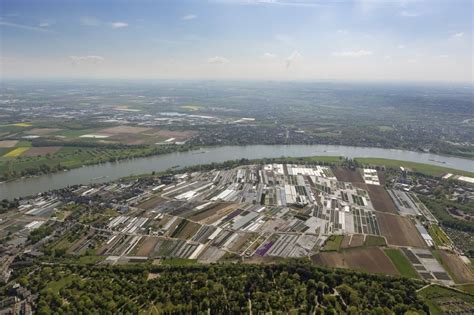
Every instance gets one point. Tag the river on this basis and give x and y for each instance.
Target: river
(111, 171)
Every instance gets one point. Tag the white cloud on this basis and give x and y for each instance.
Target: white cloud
(44, 24)
(409, 14)
(344, 32)
(86, 59)
(24, 27)
(353, 53)
(401, 46)
(295, 55)
(118, 24)
(217, 60)
(269, 56)
(89, 21)
(458, 35)
(189, 17)
(443, 56)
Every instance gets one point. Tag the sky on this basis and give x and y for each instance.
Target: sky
(366, 40)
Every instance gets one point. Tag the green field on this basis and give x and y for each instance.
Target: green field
(372, 240)
(442, 299)
(401, 263)
(439, 237)
(333, 243)
(427, 169)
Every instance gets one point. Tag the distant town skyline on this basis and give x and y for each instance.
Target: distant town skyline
(399, 40)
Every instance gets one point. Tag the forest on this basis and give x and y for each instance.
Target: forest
(293, 287)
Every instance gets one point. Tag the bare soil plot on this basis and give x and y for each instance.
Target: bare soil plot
(147, 246)
(186, 229)
(461, 272)
(379, 197)
(151, 203)
(38, 151)
(214, 213)
(357, 240)
(399, 230)
(178, 135)
(128, 138)
(241, 241)
(123, 129)
(365, 259)
(346, 241)
(8, 143)
(347, 175)
(42, 131)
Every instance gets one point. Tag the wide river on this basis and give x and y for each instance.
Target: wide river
(111, 171)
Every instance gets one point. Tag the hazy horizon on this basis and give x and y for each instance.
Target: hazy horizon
(287, 40)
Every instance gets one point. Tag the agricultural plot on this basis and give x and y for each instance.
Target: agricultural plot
(42, 131)
(347, 175)
(39, 151)
(401, 263)
(439, 237)
(365, 259)
(146, 246)
(151, 203)
(380, 199)
(8, 143)
(459, 270)
(354, 240)
(16, 152)
(427, 266)
(399, 230)
(365, 222)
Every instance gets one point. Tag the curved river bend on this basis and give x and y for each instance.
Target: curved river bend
(111, 171)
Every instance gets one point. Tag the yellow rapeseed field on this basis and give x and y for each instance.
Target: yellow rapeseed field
(23, 124)
(16, 152)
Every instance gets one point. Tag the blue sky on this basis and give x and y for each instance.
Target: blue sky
(238, 39)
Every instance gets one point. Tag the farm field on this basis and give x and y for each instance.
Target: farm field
(460, 271)
(355, 240)
(372, 240)
(8, 143)
(380, 199)
(365, 259)
(401, 263)
(16, 152)
(40, 151)
(333, 243)
(347, 175)
(439, 237)
(399, 230)
(147, 246)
